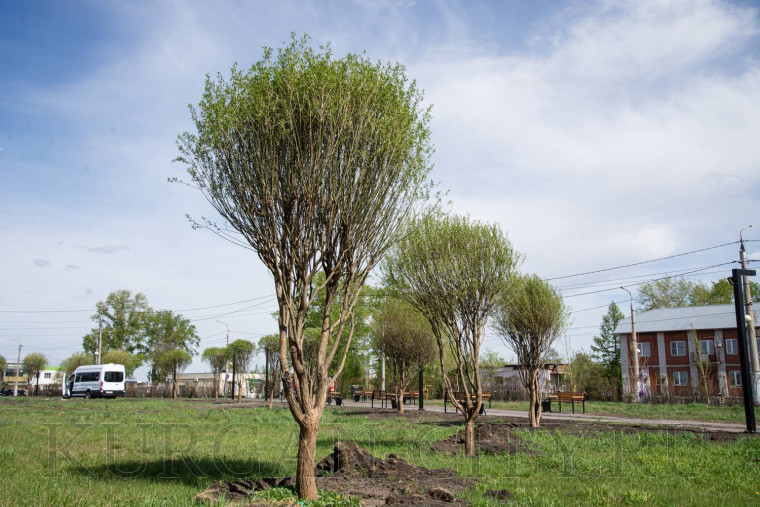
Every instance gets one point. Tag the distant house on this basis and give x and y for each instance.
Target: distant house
(670, 354)
(549, 377)
(49, 375)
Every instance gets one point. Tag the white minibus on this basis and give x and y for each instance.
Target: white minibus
(97, 381)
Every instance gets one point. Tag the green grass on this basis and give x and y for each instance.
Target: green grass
(686, 412)
(159, 452)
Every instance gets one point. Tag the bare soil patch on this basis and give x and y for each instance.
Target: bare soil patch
(351, 470)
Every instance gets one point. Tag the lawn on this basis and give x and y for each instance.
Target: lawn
(159, 452)
(685, 412)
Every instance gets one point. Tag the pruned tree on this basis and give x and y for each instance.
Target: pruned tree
(124, 318)
(269, 345)
(241, 353)
(174, 362)
(33, 365)
(407, 341)
(316, 162)
(130, 361)
(454, 271)
(529, 321)
(218, 358)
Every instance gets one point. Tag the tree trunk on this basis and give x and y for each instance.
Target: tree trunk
(469, 437)
(240, 391)
(37, 387)
(400, 401)
(535, 409)
(174, 391)
(216, 388)
(306, 484)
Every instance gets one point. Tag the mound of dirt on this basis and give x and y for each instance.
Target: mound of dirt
(489, 439)
(351, 470)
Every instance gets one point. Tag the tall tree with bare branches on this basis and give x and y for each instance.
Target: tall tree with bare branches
(406, 341)
(454, 271)
(317, 163)
(529, 321)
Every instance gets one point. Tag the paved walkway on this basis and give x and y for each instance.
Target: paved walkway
(568, 416)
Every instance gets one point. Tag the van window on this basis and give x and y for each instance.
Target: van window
(88, 376)
(114, 376)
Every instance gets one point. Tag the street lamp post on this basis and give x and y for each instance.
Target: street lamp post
(635, 348)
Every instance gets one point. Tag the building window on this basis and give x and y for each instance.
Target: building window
(736, 378)
(48, 375)
(707, 347)
(645, 349)
(732, 346)
(680, 378)
(678, 348)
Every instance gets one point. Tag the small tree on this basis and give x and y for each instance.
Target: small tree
(529, 322)
(317, 162)
(241, 353)
(269, 345)
(33, 364)
(454, 271)
(175, 362)
(218, 358)
(3, 366)
(131, 362)
(704, 368)
(407, 342)
(74, 361)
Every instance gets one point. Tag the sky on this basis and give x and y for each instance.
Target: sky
(597, 134)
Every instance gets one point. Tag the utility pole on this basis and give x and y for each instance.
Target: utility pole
(18, 370)
(227, 369)
(635, 344)
(382, 356)
(100, 340)
(741, 327)
(751, 337)
(421, 388)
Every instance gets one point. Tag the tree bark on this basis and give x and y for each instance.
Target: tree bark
(306, 484)
(174, 391)
(216, 388)
(240, 392)
(469, 437)
(535, 414)
(400, 401)
(37, 387)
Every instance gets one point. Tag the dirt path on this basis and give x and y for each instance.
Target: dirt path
(554, 416)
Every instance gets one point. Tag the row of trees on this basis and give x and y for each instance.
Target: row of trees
(321, 165)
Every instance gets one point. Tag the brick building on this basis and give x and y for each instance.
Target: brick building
(670, 353)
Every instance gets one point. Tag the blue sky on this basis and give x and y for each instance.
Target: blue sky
(596, 133)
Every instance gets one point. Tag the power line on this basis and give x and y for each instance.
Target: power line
(647, 281)
(643, 262)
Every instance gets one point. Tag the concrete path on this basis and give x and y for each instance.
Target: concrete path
(568, 416)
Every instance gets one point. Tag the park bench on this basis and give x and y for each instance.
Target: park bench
(560, 397)
(382, 396)
(460, 397)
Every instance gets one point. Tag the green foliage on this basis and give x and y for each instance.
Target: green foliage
(33, 364)
(124, 321)
(3, 365)
(490, 362)
(173, 361)
(217, 358)
(605, 346)
(678, 292)
(241, 353)
(586, 375)
(167, 331)
(131, 362)
(74, 361)
(406, 340)
(454, 271)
